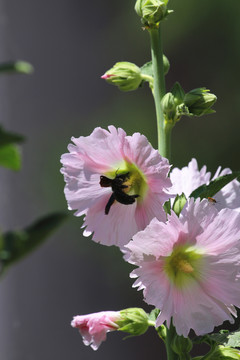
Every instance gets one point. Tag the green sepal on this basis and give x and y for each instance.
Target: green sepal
(179, 203)
(133, 321)
(153, 314)
(19, 67)
(178, 93)
(205, 191)
(10, 157)
(16, 244)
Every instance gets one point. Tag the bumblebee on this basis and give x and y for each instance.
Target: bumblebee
(118, 194)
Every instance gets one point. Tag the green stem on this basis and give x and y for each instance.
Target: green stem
(147, 78)
(171, 332)
(210, 352)
(164, 132)
(167, 142)
(159, 89)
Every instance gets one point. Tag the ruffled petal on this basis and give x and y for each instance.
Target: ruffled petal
(107, 229)
(189, 178)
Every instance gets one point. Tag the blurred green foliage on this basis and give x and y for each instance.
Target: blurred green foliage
(14, 245)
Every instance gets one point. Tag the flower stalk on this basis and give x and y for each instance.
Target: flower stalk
(163, 130)
(170, 334)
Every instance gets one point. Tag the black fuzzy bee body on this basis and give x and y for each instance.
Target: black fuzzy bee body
(117, 185)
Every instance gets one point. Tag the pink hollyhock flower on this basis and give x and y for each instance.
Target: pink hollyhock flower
(119, 182)
(189, 178)
(94, 327)
(189, 267)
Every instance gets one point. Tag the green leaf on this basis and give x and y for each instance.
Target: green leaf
(205, 191)
(227, 338)
(9, 137)
(147, 68)
(16, 244)
(10, 157)
(233, 339)
(19, 67)
(179, 203)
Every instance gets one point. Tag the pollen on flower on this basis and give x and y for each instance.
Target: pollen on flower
(183, 265)
(138, 181)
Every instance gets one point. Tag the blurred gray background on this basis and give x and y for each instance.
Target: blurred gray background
(71, 43)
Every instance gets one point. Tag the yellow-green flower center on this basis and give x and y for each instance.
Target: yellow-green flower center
(136, 181)
(184, 265)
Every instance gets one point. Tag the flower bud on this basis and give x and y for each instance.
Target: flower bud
(125, 75)
(166, 65)
(133, 321)
(181, 345)
(199, 101)
(94, 327)
(169, 106)
(151, 11)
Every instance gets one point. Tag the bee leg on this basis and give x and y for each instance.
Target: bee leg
(109, 203)
(123, 186)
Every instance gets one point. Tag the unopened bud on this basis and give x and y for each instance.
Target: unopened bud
(169, 106)
(151, 11)
(181, 345)
(199, 101)
(166, 65)
(133, 321)
(125, 75)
